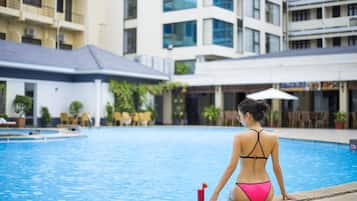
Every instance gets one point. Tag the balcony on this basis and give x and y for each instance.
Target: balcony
(42, 14)
(10, 8)
(322, 23)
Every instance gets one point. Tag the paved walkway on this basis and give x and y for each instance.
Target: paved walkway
(326, 135)
(345, 192)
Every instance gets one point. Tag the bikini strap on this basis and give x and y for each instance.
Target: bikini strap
(256, 143)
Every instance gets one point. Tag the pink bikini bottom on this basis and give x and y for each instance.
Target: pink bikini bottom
(256, 191)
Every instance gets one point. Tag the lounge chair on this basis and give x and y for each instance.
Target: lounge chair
(74, 120)
(4, 123)
(116, 117)
(125, 119)
(146, 118)
(136, 119)
(64, 118)
(85, 119)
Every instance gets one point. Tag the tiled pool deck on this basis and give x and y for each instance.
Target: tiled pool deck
(345, 192)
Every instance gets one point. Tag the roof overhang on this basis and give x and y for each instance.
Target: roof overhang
(337, 67)
(57, 69)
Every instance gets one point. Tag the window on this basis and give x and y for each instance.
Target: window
(272, 13)
(272, 43)
(68, 14)
(336, 42)
(36, 3)
(318, 13)
(252, 40)
(2, 97)
(29, 40)
(172, 5)
(2, 36)
(185, 67)
(252, 8)
(130, 9)
(319, 43)
(300, 44)
(300, 15)
(226, 4)
(222, 33)
(180, 34)
(352, 41)
(3, 3)
(352, 9)
(64, 46)
(336, 11)
(130, 41)
(60, 6)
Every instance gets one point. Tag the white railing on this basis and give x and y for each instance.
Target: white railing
(320, 23)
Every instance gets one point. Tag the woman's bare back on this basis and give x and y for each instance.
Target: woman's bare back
(253, 170)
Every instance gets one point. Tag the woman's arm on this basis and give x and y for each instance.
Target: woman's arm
(277, 170)
(229, 170)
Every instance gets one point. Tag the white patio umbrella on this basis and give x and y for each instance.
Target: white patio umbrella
(271, 94)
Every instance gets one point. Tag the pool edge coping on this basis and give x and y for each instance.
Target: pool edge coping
(322, 193)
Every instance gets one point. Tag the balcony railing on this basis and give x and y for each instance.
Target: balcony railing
(14, 4)
(77, 18)
(321, 23)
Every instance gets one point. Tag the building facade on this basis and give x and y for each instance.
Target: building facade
(204, 30)
(322, 23)
(324, 80)
(48, 23)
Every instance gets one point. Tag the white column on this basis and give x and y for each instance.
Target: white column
(219, 99)
(167, 110)
(343, 96)
(36, 106)
(98, 104)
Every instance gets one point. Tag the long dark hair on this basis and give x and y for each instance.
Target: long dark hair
(255, 107)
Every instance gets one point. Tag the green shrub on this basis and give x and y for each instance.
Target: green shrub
(75, 107)
(22, 105)
(45, 116)
(110, 110)
(212, 113)
(340, 117)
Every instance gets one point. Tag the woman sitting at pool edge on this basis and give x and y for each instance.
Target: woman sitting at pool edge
(253, 147)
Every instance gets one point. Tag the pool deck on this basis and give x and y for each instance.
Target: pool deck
(326, 135)
(345, 192)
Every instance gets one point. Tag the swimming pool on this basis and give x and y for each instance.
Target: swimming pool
(154, 163)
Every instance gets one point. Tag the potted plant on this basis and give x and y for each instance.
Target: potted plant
(22, 105)
(109, 108)
(212, 114)
(45, 116)
(340, 120)
(75, 108)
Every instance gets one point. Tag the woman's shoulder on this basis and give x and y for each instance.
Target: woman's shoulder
(272, 135)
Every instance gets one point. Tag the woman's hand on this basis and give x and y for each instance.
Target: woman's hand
(287, 197)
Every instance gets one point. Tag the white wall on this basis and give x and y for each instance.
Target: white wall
(57, 96)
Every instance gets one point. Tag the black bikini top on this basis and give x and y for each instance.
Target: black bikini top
(261, 147)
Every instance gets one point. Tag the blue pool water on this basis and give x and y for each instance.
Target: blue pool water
(154, 164)
(26, 131)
